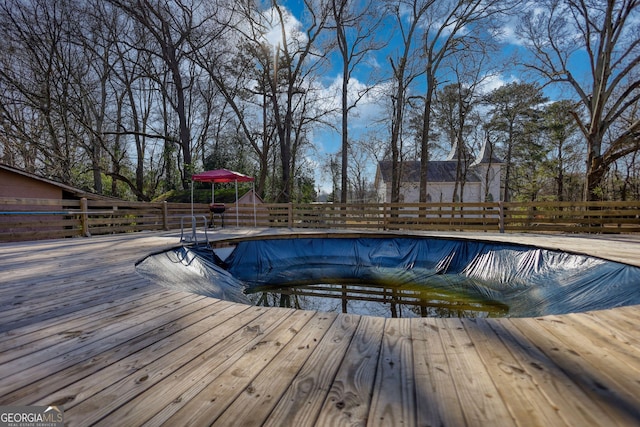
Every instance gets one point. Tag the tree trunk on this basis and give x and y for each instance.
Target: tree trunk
(284, 135)
(345, 135)
(595, 174)
(424, 143)
(185, 132)
(507, 169)
(596, 169)
(95, 165)
(395, 153)
(560, 177)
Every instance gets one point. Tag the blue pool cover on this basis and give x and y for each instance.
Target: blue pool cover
(531, 281)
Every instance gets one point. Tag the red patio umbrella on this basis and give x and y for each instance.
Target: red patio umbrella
(224, 175)
(221, 175)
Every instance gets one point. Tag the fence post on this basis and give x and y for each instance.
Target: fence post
(501, 216)
(84, 217)
(290, 214)
(385, 216)
(165, 216)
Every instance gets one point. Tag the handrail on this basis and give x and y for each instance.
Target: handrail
(194, 234)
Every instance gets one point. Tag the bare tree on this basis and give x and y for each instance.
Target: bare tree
(356, 25)
(363, 152)
(93, 104)
(561, 30)
(171, 25)
(331, 165)
(452, 26)
(240, 76)
(296, 59)
(455, 106)
(408, 15)
(136, 81)
(263, 68)
(38, 73)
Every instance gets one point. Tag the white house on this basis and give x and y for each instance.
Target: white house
(482, 183)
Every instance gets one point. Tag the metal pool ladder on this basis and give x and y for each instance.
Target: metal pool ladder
(193, 238)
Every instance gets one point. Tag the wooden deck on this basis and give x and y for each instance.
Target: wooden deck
(79, 328)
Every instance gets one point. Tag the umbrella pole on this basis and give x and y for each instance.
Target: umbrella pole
(253, 188)
(237, 217)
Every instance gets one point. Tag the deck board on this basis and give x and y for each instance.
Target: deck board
(525, 400)
(393, 400)
(483, 404)
(436, 394)
(186, 367)
(82, 346)
(115, 362)
(302, 400)
(33, 332)
(601, 381)
(79, 327)
(231, 365)
(73, 331)
(349, 397)
(572, 405)
(262, 394)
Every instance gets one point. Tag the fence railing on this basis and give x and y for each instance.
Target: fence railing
(31, 219)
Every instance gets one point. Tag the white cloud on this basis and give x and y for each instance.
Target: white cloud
(494, 82)
(273, 35)
(508, 34)
(363, 120)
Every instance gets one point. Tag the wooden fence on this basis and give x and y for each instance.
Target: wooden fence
(30, 219)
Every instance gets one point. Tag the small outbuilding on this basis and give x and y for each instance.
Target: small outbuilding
(48, 200)
(15, 182)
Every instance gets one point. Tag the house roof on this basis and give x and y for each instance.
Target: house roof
(486, 154)
(437, 171)
(440, 170)
(65, 188)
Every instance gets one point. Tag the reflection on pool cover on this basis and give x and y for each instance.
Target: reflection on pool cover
(460, 277)
(403, 300)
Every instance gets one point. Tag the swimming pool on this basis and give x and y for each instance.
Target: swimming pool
(398, 276)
